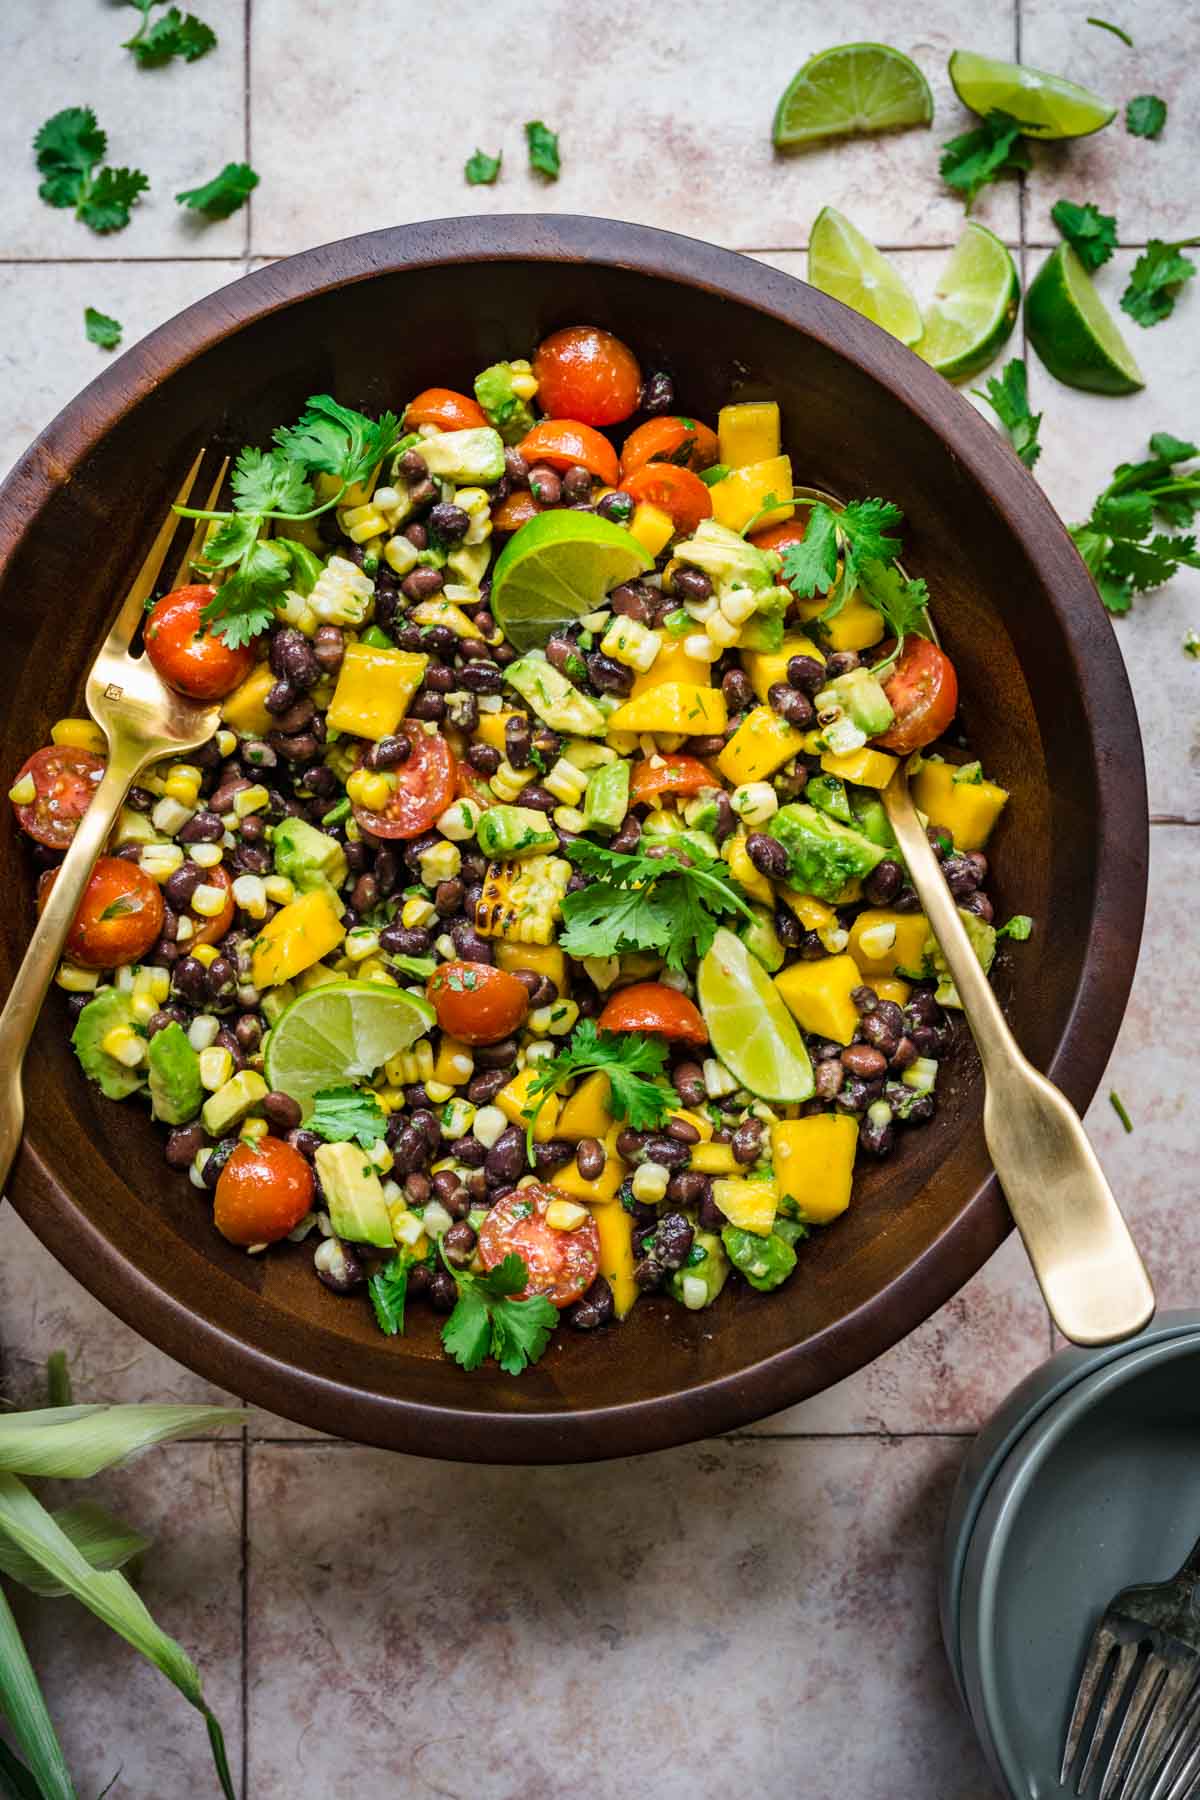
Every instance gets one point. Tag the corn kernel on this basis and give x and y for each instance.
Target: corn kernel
(205, 856)
(459, 820)
(206, 954)
(649, 1182)
(279, 889)
(370, 789)
(170, 815)
(78, 734)
(381, 1155)
(249, 892)
(722, 631)
(361, 522)
(439, 1091)
(754, 802)
(144, 1008)
(153, 981)
(74, 980)
(124, 1045)
(565, 1215)
(202, 1032)
(525, 387)
(556, 1019)
(441, 862)
(717, 1080)
(508, 782)
(700, 647)
(416, 913)
(187, 793)
(342, 595)
(569, 818)
(252, 1129)
(410, 1066)
(23, 792)
(216, 1067)
(407, 1228)
(457, 1116)
(628, 642)
(123, 979)
(737, 606)
(487, 1125)
(251, 800)
(541, 1050)
(565, 782)
(400, 556)
(226, 742)
(360, 943)
(160, 860)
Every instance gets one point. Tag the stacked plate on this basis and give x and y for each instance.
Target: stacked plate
(1086, 1480)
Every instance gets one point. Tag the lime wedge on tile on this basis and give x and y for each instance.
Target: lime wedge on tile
(341, 1031)
(850, 89)
(750, 1028)
(974, 306)
(845, 265)
(1047, 106)
(556, 568)
(1072, 330)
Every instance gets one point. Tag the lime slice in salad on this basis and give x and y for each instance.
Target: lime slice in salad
(1045, 105)
(341, 1031)
(1072, 330)
(751, 1029)
(974, 306)
(844, 265)
(849, 89)
(555, 569)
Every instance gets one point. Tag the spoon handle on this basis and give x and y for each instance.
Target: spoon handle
(1085, 1260)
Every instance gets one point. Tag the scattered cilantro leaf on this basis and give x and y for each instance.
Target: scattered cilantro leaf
(332, 439)
(543, 149)
(1145, 116)
(388, 1289)
(1191, 645)
(635, 1065)
(481, 169)
(101, 329)
(487, 1318)
(267, 481)
(224, 194)
(1019, 928)
(1155, 280)
(68, 148)
(1123, 552)
(244, 605)
(107, 204)
(1104, 25)
(669, 904)
(994, 148)
(343, 1114)
(1118, 1106)
(174, 34)
(1008, 397)
(1091, 234)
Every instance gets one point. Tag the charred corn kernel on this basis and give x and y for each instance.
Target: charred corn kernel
(361, 522)
(569, 818)
(754, 802)
(459, 820)
(359, 943)
(170, 815)
(487, 1125)
(650, 1182)
(205, 856)
(252, 1129)
(400, 556)
(445, 612)
(507, 782)
(628, 642)
(456, 1116)
(74, 980)
(342, 594)
(522, 900)
(370, 789)
(249, 892)
(160, 860)
(722, 631)
(556, 1019)
(279, 889)
(251, 800)
(454, 1065)
(79, 734)
(441, 862)
(203, 1031)
(216, 1067)
(566, 1215)
(206, 954)
(23, 792)
(410, 1066)
(565, 782)
(124, 1045)
(701, 648)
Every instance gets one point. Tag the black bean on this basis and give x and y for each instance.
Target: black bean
(907, 900)
(484, 758)
(412, 465)
(389, 752)
(222, 978)
(791, 704)
(828, 1077)
(410, 1152)
(884, 882)
(481, 678)
(672, 1241)
(607, 675)
(443, 1291)
(634, 600)
(422, 584)
(590, 1158)
(854, 1096)
(483, 1088)
(191, 979)
(427, 705)
(692, 584)
(883, 1027)
(688, 1081)
(876, 1140)
(496, 1056)
(166, 1015)
(473, 948)
(306, 1142)
(182, 1144)
(806, 674)
(329, 647)
(667, 1151)
(540, 798)
(518, 741)
(216, 1162)
(297, 718)
(739, 695)
(338, 1265)
(458, 1245)
(630, 1143)
(439, 679)
(617, 506)
(841, 663)
(980, 905)
(516, 468)
(551, 1155)
(940, 841)
(448, 897)
(864, 1061)
(563, 655)
(506, 1158)
(422, 495)
(788, 928)
(747, 1141)
(281, 1112)
(962, 877)
(688, 1187)
(450, 1192)
(248, 1033)
(179, 887)
(449, 523)
(768, 855)
(683, 1131)
(629, 836)
(544, 485)
(202, 828)
(594, 1309)
(470, 1151)
(417, 1188)
(577, 483)
(648, 1273)
(903, 1056)
(658, 393)
(426, 1123)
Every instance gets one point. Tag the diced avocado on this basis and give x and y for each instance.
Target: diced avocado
(705, 816)
(704, 1273)
(765, 1262)
(233, 1101)
(870, 815)
(102, 1014)
(508, 831)
(553, 698)
(309, 858)
(503, 408)
(701, 841)
(763, 630)
(607, 799)
(983, 942)
(824, 856)
(468, 457)
(728, 560)
(790, 1230)
(829, 793)
(306, 566)
(861, 699)
(175, 1087)
(354, 1195)
(762, 939)
(469, 562)
(132, 828)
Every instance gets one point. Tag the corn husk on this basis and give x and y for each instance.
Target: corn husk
(77, 1441)
(25, 1711)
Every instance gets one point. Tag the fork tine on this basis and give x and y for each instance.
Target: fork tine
(1182, 1766)
(1104, 1642)
(1166, 1723)
(197, 538)
(134, 603)
(1127, 1655)
(1147, 1693)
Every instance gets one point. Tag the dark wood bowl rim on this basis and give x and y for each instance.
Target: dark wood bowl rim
(751, 1393)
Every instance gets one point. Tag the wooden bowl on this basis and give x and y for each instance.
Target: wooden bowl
(1046, 704)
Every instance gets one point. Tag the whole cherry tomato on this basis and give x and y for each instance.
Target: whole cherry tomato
(561, 442)
(649, 1006)
(119, 917)
(65, 781)
(923, 690)
(263, 1192)
(516, 509)
(677, 492)
(211, 931)
(671, 438)
(424, 788)
(445, 408)
(562, 1264)
(668, 774)
(476, 1003)
(189, 657)
(586, 374)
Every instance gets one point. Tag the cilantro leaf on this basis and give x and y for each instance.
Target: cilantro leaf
(244, 605)
(1191, 645)
(1091, 234)
(994, 148)
(1145, 116)
(1008, 397)
(343, 1114)
(224, 194)
(810, 567)
(101, 329)
(481, 169)
(643, 902)
(170, 36)
(487, 1318)
(1018, 928)
(467, 1333)
(543, 149)
(1123, 552)
(635, 1066)
(860, 532)
(269, 481)
(1155, 280)
(388, 1289)
(903, 604)
(230, 542)
(67, 148)
(106, 204)
(332, 439)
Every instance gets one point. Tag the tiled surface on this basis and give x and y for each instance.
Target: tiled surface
(759, 1609)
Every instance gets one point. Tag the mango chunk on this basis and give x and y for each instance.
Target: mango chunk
(490, 729)
(243, 710)
(374, 688)
(813, 914)
(889, 987)
(856, 627)
(542, 959)
(968, 810)
(766, 667)
(596, 1189)
(814, 1164)
(513, 1100)
(713, 1159)
(299, 935)
(762, 743)
(869, 768)
(652, 527)
(673, 664)
(817, 994)
(680, 706)
(745, 491)
(586, 1114)
(698, 1121)
(616, 1256)
(750, 1205)
(871, 949)
(748, 432)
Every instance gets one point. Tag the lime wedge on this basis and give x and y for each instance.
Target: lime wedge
(555, 569)
(751, 1029)
(1072, 330)
(843, 264)
(341, 1031)
(1046, 105)
(974, 306)
(850, 89)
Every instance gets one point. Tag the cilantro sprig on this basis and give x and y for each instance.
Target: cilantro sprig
(173, 34)
(1119, 543)
(860, 538)
(1155, 280)
(994, 148)
(635, 1066)
(488, 1320)
(224, 194)
(68, 149)
(1091, 234)
(669, 904)
(1008, 396)
(388, 1291)
(101, 329)
(346, 1114)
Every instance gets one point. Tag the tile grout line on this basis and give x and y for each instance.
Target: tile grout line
(246, 83)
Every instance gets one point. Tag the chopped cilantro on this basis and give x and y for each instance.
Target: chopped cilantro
(224, 194)
(1019, 928)
(101, 329)
(1106, 25)
(388, 1288)
(1118, 1106)
(481, 169)
(994, 148)
(344, 1114)
(1145, 116)
(543, 149)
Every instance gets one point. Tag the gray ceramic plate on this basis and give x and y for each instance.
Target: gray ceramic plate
(1102, 1491)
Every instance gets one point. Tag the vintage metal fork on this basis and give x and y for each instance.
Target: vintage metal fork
(142, 719)
(1156, 1749)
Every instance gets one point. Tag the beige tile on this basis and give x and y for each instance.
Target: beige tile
(112, 1709)
(1149, 185)
(750, 1617)
(180, 124)
(45, 359)
(668, 125)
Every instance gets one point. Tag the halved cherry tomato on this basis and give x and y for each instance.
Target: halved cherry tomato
(781, 537)
(187, 655)
(469, 784)
(445, 408)
(476, 1003)
(649, 1006)
(65, 781)
(561, 442)
(263, 1192)
(673, 439)
(119, 917)
(424, 788)
(588, 374)
(923, 690)
(677, 492)
(668, 774)
(562, 1264)
(516, 509)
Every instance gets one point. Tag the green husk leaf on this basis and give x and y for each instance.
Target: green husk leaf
(77, 1441)
(25, 1710)
(105, 1541)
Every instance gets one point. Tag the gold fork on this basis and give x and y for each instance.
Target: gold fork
(142, 720)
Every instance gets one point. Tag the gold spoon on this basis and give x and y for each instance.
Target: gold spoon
(1085, 1260)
